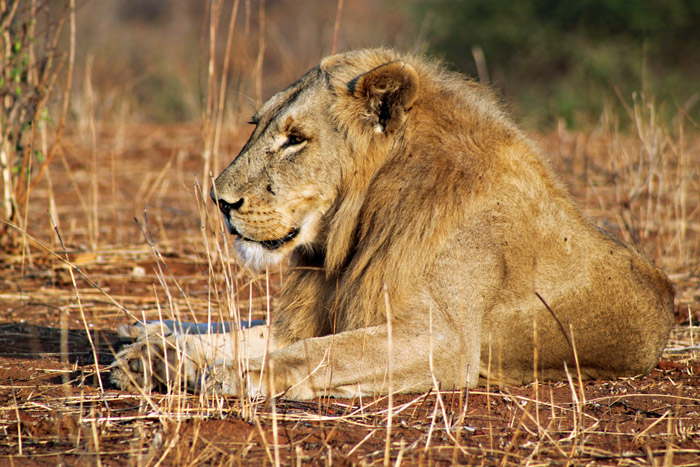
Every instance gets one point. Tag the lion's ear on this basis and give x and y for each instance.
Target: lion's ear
(388, 92)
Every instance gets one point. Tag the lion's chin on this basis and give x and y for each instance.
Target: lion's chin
(260, 254)
(257, 257)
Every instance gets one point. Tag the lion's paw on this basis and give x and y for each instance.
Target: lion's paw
(154, 362)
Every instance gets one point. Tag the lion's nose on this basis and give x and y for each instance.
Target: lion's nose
(224, 205)
(227, 207)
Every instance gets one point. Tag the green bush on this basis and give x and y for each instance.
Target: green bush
(569, 58)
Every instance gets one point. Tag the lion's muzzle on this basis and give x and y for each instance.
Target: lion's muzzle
(226, 209)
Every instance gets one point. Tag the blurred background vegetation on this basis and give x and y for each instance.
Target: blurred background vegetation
(572, 58)
(553, 59)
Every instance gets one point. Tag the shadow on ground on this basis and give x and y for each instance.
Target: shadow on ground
(26, 342)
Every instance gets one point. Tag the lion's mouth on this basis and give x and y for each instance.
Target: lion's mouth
(274, 244)
(269, 244)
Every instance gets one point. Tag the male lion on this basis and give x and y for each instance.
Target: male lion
(429, 243)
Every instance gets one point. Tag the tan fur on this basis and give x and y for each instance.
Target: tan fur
(417, 200)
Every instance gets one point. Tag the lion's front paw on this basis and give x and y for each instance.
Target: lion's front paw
(154, 362)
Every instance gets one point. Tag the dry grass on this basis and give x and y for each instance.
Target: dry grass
(62, 305)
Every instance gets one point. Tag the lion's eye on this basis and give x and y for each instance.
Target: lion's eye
(293, 139)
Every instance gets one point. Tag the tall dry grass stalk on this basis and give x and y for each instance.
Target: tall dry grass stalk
(336, 27)
(261, 53)
(216, 91)
(390, 385)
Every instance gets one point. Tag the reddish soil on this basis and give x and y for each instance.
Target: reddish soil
(55, 409)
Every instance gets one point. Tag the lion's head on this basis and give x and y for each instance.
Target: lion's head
(298, 162)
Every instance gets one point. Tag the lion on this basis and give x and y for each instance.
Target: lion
(429, 243)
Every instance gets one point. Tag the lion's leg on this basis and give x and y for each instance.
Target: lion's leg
(357, 363)
(165, 355)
